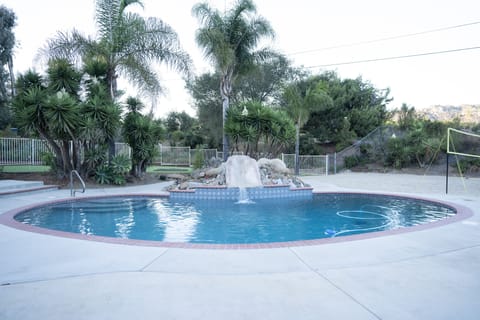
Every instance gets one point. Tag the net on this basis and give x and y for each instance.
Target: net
(463, 143)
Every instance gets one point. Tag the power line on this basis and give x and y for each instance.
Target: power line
(346, 45)
(394, 58)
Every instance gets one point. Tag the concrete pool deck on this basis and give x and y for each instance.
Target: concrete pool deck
(428, 274)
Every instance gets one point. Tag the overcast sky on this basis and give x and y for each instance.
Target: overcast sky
(304, 29)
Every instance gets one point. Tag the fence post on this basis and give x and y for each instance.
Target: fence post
(32, 150)
(326, 164)
(335, 163)
(161, 153)
(189, 157)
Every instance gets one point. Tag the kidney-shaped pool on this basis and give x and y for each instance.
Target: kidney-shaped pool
(226, 222)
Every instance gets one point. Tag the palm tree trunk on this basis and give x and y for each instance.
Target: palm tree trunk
(225, 90)
(297, 149)
(225, 141)
(112, 83)
(12, 76)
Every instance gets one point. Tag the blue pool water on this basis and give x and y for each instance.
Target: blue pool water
(230, 222)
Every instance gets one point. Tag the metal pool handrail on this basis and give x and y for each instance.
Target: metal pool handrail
(72, 190)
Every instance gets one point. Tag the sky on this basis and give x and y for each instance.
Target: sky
(318, 35)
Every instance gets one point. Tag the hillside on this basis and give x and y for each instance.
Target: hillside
(466, 113)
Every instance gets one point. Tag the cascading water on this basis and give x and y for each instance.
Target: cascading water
(243, 196)
(242, 172)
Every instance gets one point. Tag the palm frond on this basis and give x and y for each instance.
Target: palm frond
(71, 46)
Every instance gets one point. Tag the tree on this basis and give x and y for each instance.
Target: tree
(182, 129)
(258, 130)
(73, 113)
(266, 81)
(7, 79)
(53, 114)
(301, 100)
(127, 43)
(208, 104)
(357, 109)
(263, 84)
(230, 40)
(142, 135)
(406, 117)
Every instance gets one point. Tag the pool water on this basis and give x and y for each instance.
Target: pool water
(230, 222)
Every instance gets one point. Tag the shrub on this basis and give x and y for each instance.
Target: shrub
(48, 159)
(198, 159)
(115, 172)
(351, 161)
(398, 153)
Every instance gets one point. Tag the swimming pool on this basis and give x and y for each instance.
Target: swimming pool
(226, 222)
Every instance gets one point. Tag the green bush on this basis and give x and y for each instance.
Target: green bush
(351, 161)
(103, 175)
(398, 153)
(115, 172)
(198, 160)
(469, 165)
(49, 160)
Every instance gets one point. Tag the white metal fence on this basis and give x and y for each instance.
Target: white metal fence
(309, 164)
(21, 151)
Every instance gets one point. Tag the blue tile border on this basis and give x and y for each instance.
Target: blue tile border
(224, 193)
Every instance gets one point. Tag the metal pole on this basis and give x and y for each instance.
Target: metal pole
(335, 163)
(446, 177)
(326, 164)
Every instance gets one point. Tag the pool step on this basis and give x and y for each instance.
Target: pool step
(12, 187)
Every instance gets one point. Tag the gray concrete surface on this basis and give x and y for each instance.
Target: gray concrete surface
(429, 274)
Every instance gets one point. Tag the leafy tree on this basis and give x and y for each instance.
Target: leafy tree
(263, 84)
(301, 100)
(182, 129)
(406, 117)
(258, 130)
(354, 100)
(208, 103)
(7, 79)
(230, 40)
(266, 81)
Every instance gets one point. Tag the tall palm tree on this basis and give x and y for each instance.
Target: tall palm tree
(128, 43)
(230, 41)
(300, 103)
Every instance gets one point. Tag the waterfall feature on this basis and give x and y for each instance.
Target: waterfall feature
(243, 196)
(242, 172)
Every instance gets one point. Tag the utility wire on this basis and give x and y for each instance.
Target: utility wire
(346, 45)
(393, 58)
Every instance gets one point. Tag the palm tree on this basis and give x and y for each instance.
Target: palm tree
(300, 104)
(230, 40)
(46, 107)
(142, 135)
(128, 44)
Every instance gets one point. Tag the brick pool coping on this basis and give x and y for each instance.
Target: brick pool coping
(7, 219)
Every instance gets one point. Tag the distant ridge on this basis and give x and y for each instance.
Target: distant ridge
(466, 113)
